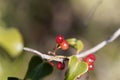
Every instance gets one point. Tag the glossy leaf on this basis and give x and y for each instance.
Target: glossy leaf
(75, 68)
(35, 61)
(11, 41)
(40, 71)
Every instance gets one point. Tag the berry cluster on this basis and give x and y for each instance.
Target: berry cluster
(64, 45)
(62, 42)
(90, 59)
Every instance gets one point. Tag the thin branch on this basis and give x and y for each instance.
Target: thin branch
(100, 45)
(83, 54)
(44, 56)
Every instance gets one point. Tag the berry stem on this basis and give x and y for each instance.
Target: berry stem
(54, 50)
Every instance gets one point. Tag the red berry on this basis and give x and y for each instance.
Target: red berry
(90, 66)
(59, 39)
(64, 45)
(92, 56)
(60, 65)
(90, 59)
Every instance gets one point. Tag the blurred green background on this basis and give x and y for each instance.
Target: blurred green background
(39, 21)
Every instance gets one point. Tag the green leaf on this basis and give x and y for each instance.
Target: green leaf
(13, 67)
(75, 43)
(72, 41)
(40, 71)
(75, 68)
(79, 45)
(11, 41)
(35, 61)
